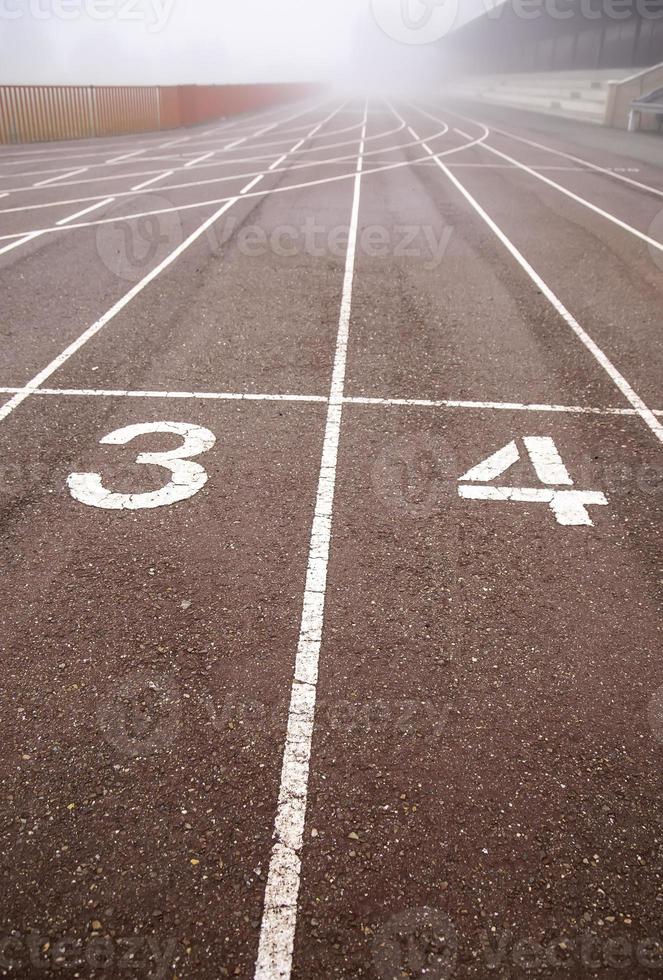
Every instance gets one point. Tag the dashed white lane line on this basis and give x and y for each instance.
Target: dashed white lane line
(286, 188)
(213, 180)
(645, 413)
(254, 157)
(279, 919)
(70, 173)
(125, 156)
(204, 156)
(181, 139)
(93, 329)
(153, 180)
(79, 214)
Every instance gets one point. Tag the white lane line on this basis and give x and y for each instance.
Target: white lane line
(202, 395)
(99, 324)
(253, 157)
(498, 406)
(576, 197)
(125, 156)
(5, 194)
(20, 241)
(51, 180)
(347, 400)
(609, 171)
(153, 180)
(251, 184)
(79, 214)
(279, 919)
(181, 139)
(564, 190)
(277, 163)
(272, 190)
(618, 379)
(204, 156)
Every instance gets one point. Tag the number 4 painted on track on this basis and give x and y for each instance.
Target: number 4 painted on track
(568, 506)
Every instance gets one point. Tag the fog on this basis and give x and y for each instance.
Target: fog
(353, 43)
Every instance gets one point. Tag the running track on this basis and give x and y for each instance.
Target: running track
(341, 657)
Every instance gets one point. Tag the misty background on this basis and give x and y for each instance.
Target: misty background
(150, 42)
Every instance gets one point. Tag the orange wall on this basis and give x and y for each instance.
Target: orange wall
(199, 103)
(35, 113)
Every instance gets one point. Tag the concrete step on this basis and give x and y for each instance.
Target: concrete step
(573, 95)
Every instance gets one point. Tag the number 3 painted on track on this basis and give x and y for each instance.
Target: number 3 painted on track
(188, 478)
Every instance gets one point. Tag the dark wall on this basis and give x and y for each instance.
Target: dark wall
(560, 35)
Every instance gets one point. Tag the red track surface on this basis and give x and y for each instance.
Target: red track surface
(336, 703)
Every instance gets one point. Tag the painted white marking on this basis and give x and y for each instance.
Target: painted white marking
(251, 183)
(563, 190)
(125, 156)
(203, 395)
(616, 172)
(153, 180)
(618, 379)
(79, 214)
(182, 139)
(99, 324)
(278, 162)
(347, 400)
(568, 506)
(51, 180)
(272, 190)
(546, 461)
(20, 241)
(56, 363)
(187, 477)
(494, 465)
(500, 406)
(579, 200)
(277, 930)
(205, 156)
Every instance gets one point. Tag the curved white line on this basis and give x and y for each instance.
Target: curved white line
(252, 194)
